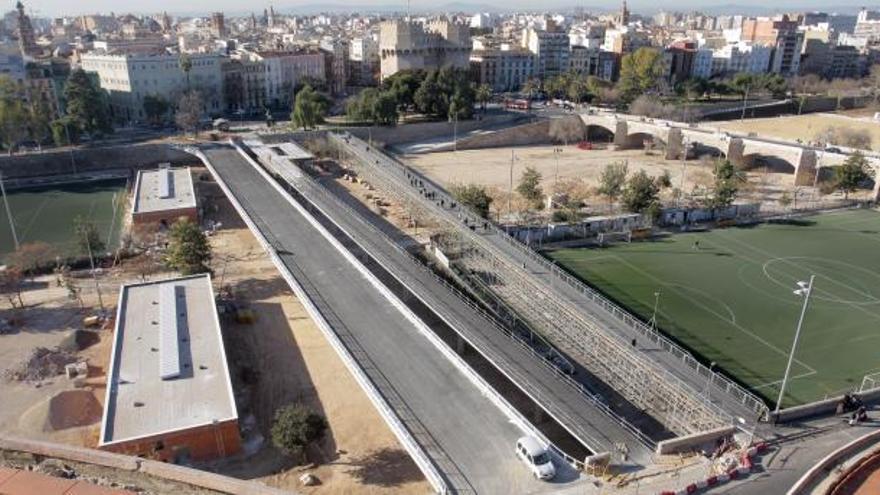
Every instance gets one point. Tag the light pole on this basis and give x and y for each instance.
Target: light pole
(805, 289)
(654, 315)
(556, 153)
(8, 212)
(709, 380)
(684, 153)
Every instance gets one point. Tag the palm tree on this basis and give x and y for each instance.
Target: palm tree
(484, 95)
(531, 86)
(185, 64)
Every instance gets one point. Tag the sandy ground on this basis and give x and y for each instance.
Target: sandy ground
(37, 410)
(581, 168)
(805, 127)
(289, 360)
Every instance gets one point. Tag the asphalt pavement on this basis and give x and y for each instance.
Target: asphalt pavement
(468, 438)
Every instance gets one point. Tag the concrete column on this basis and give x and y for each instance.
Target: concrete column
(805, 168)
(735, 150)
(876, 194)
(620, 132)
(674, 144)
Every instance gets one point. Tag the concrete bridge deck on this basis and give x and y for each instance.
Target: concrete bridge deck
(467, 438)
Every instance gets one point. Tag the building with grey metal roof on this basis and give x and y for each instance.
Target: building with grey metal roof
(169, 393)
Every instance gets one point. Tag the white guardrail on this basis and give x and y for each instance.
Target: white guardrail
(400, 431)
(717, 380)
(533, 391)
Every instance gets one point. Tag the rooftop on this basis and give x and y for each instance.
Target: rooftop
(151, 194)
(168, 369)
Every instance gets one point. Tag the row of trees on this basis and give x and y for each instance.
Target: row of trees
(24, 112)
(446, 93)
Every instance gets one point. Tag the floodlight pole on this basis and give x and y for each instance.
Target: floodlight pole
(807, 292)
(8, 212)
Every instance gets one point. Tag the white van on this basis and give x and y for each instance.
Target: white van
(536, 457)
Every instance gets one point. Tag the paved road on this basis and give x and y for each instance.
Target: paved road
(466, 436)
(584, 304)
(537, 378)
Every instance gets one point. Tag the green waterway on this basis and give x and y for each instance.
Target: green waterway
(47, 214)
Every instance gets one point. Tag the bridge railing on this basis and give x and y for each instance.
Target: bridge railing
(719, 381)
(533, 390)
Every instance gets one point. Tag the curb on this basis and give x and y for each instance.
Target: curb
(745, 467)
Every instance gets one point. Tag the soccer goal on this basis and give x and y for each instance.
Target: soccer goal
(606, 238)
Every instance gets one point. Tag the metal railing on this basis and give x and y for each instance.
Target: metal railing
(303, 180)
(720, 382)
(416, 437)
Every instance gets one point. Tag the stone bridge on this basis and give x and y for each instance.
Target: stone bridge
(806, 163)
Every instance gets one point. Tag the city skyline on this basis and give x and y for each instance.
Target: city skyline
(56, 8)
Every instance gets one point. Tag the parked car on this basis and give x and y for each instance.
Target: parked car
(536, 457)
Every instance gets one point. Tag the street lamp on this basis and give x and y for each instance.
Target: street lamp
(556, 153)
(805, 289)
(654, 315)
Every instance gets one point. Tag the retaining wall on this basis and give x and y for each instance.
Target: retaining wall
(128, 466)
(91, 160)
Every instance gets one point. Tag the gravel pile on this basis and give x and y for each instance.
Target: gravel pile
(43, 363)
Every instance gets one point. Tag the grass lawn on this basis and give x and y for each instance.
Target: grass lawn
(730, 299)
(47, 214)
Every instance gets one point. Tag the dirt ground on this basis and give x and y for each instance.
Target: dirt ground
(283, 357)
(491, 168)
(286, 356)
(805, 127)
(39, 410)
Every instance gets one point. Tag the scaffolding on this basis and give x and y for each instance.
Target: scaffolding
(642, 382)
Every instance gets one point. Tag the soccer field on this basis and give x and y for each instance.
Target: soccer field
(730, 298)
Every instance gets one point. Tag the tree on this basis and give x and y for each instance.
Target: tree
(641, 192)
(612, 180)
(155, 108)
(11, 280)
(385, 109)
(188, 249)
(309, 108)
(65, 280)
(531, 86)
(852, 173)
(87, 236)
(640, 72)
(664, 180)
(473, 196)
(726, 186)
(189, 112)
(185, 64)
(31, 257)
(403, 85)
(483, 95)
(13, 114)
(529, 187)
(427, 98)
(295, 427)
(86, 103)
(64, 131)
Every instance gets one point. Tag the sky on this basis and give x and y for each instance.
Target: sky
(54, 8)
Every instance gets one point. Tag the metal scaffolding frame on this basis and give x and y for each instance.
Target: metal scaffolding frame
(644, 383)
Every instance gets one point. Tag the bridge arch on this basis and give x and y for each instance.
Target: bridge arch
(770, 163)
(599, 133)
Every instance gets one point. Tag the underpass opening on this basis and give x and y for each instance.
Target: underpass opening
(643, 140)
(599, 134)
(699, 150)
(767, 163)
